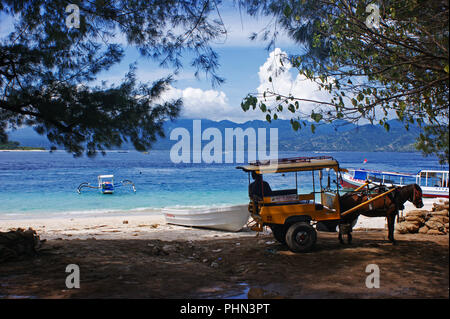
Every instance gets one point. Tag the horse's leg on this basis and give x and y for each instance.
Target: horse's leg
(340, 238)
(391, 225)
(349, 237)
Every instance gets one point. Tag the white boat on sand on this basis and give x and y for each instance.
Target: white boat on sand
(229, 218)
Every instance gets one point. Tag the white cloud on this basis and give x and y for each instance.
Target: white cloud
(285, 83)
(214, 104)
(208, 104)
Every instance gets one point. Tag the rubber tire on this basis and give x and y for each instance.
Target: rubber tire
(307, 244)
(279, 233)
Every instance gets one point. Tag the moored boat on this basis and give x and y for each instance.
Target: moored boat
(229, 218)
(434, 183)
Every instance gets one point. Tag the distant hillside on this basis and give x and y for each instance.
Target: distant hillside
(339, 136)
(14, 145)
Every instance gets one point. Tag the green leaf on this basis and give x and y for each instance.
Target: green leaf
(287, 11)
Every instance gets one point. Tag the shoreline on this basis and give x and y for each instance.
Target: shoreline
(33, 150)
(147, 225)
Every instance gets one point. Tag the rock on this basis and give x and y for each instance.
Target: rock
(423, 229)
(421, 213)
(435, 232)
(19, 242)
(168, 249)
(214, 265)
(435, 225)
(412, 227)
(440, 213)
(415, 219)
(441, 219)
(401, 228)
(401, 219)
(438, 207)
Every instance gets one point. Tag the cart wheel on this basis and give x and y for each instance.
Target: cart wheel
(279, 233)
(301, 237)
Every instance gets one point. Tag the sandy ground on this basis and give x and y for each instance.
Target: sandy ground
(143, 257)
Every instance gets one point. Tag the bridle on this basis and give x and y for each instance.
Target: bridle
(417, 194)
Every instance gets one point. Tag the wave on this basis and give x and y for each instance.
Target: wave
(105, 212)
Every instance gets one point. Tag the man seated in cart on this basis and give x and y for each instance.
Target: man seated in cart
(259, 187)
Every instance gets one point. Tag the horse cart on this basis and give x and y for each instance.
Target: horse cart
(293, 216)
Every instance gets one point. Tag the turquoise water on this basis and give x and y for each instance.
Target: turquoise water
(35, 184)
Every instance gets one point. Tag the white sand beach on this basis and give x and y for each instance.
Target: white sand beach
(151, 226)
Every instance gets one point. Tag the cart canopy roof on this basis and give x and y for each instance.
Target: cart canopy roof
(293, 164)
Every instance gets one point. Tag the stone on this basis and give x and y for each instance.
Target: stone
(420, 213)
(440, 213)
(434, 225)
(401, 228)
(435, 232)
(168, 249)
(415, 219)
(440, 219)
(423, 230)
(412, 227)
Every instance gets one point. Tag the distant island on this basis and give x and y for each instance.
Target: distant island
(15, 146)
(339, 136)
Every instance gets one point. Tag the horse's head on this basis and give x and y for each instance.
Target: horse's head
(416, 196)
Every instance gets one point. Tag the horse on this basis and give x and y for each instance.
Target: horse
(387, 206)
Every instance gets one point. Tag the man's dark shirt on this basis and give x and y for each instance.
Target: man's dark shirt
(255, 188)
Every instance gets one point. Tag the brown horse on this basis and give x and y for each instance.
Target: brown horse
(386, 206)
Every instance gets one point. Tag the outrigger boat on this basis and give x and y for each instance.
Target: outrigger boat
(106, 184)
(433, 183)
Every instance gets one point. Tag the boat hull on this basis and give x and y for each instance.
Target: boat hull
(428, 192)
(230, 218)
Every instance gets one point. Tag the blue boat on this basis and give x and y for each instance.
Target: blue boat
(433, 183)
(106, 184)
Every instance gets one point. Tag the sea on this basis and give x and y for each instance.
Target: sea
(37, 184)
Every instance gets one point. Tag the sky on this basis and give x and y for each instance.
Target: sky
(244, 64)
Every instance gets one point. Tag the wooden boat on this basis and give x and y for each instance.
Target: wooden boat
(106, 184)
(229, 218)
(434, 183)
